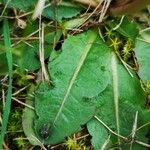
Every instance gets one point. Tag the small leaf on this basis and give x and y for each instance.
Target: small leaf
(98, 132)
(22, 4)
(63, 10)
(74, 23)
(142, 53)
(127, 28)
(27, 123)
(29, 57)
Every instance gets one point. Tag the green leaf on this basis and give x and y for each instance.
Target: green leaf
(29, 54)
(63, 10)
(127, 28)
(98, 132)
(142, 53)
(79, 73)
(27, 122)
(6, 109)
(117, 108)
(74, 23)
(28, 118)
(29, 58)
(22, 4)
(145, 35)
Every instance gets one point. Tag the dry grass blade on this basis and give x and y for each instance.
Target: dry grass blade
(105, 143)
(41, 51)
(5, 8)
(109, 128)
(22, 103)
(122, 137)
(104, 9)
(6, 111)
(38, 9)
(133, 133)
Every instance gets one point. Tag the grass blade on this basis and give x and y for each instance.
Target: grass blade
(6, 110)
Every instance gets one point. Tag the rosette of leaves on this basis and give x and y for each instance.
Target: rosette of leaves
(88, 80)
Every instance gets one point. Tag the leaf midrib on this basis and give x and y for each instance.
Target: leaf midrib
(115, 91)
(76, 72)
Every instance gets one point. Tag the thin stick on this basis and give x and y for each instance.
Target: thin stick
(104, 10)
(38, 9)
(28, 44)
(22, 38)
(55, 146)
(143, 144)
(133, 133)
(91, 14)
(125, 65)
(46, 77)
(41, 51)
(144, 30)
(19, 91)
(4, 79)
(118, 25)
(33, 33)
(22, 103)
(134, 127)
(110, 129)
(5, 8)
(124, 138)
(3, 97)
(20, 138)
(143, 40)
(5, 146)
(148, 123)
(105, 143)
(1, 121)
(100, 34)
(40, 143)
(81, 137)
